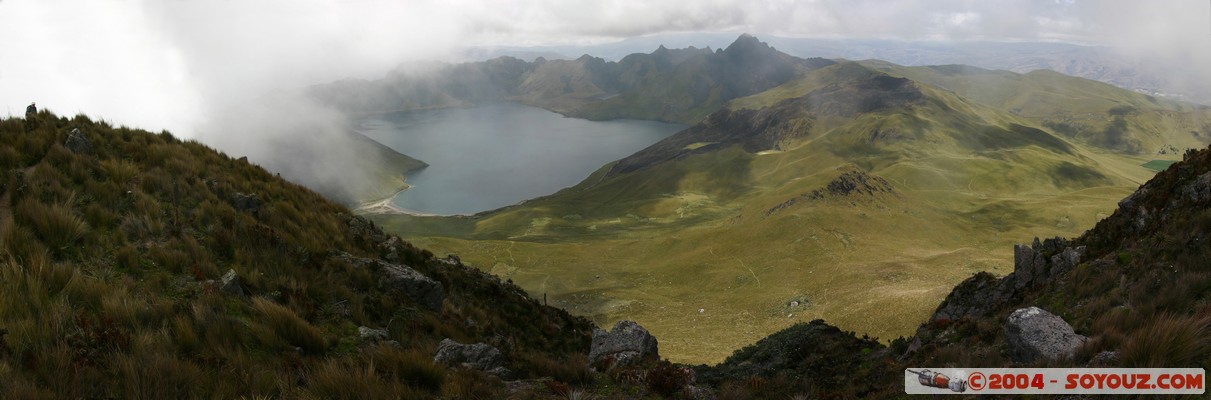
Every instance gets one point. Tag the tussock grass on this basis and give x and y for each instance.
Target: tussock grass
(413, 367)
(56, 225)
(1169, 340)
(337, 380)
(289, 327)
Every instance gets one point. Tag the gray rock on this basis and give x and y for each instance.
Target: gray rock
(1200, 189)
(392, 247)
(366, 230)
(246, 202)
(368, 334)
(78, 143)
(1104, 359)
(230, 284)
(1033, 333)
(420, 288)
(1023, 265)
(480, 356)
(626, 344)
(1128, 202)
(427, 292)
(1066, 260)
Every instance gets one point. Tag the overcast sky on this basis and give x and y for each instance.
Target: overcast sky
(175, 64)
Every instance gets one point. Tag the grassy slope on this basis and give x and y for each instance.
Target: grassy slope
(660, 244)
(1140, 293)
(1078, 108)
(103, 259)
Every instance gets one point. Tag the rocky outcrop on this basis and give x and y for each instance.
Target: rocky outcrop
(397, 277)
(425, 291)
(249, 203)
(626, 344)
(1042, 261)
(982, 294)
(1199, 189)
(78, 143)
(849, 183)
(1033, 333)
(479, 356)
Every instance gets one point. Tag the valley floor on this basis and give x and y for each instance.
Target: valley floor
(706, 289)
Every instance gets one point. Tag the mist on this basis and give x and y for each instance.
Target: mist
(230, 74)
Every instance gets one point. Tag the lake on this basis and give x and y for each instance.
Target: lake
(496, 155)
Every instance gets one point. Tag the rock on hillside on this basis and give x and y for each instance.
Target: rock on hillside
(626, 344)
(850, 184)
(1033, 333)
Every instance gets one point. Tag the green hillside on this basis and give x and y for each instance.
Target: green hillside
(1134, 287)
(861, 195)
(114, 260)
(1098, 114)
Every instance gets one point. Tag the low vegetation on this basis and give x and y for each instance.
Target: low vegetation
(108, 283)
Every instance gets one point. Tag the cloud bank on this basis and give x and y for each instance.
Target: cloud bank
(168, 64)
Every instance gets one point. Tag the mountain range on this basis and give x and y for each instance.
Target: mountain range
(1101, 63)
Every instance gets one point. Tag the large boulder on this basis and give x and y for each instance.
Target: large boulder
(626, 344)
(1033, 333)
(480, 356)
(78, 143)
(422, 289)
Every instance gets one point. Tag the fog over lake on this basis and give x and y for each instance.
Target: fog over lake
(496, 155)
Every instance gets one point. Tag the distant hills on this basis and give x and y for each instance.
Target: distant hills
(681, 85)
(723, 216)
(1098, 63)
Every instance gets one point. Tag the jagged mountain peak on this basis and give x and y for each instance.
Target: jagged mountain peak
(748, 44)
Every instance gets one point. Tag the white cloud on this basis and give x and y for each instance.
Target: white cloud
(172, 64)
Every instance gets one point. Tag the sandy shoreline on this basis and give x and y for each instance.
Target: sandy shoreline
(385, 206)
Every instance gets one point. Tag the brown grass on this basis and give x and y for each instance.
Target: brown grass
(289, 326)
(57, 226)
(1169, 340)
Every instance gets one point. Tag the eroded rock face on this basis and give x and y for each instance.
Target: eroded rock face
(1033, 333)
(626, 344)
(480, 356)
(1031, 264)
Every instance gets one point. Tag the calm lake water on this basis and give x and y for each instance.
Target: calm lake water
(496, 155)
